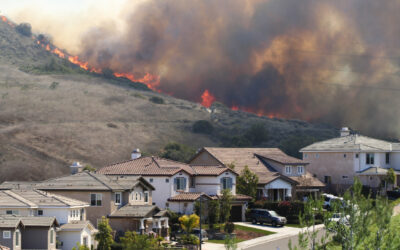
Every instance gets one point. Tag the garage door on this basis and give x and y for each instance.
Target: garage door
(236, 213)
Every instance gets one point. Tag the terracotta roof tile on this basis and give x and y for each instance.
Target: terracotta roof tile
(210, 170)
(188, 196)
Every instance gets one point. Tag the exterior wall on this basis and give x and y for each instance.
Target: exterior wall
(372, 181)
(93, 213)
(281, 168)
(395, 160)
(9, 242)
(379, 161)
(178, 175)
(183, 207)
(204, 158)
(332, 164)
(140, 201)
(211, 185)
(21, 211)
(121, 225)
(70, 238)
(163, 189)
(61, 214)
(37, 238)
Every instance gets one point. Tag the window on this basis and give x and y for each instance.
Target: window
(6, 234)
(16, 238)
(166, 204)
(300, 169)
(40, 212)
(151, 180)
(344, 155)
(356, 155)
(345, 177)
(140, 196)
(73, 213)
(51, 236)
(288, 169)
(327, 179)
(226, 183)
(167, 180)
(146, 196)
(192, 182)
(369, 158)
(305, 156)
(387, 158)
(117, 198)
(180, 183)
(12, 212)
(95, 200)
(136, 196)
(316, 156)
(85, 241)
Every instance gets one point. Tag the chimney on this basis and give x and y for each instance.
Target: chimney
(345, 131)
(76, 167)
(136, 154)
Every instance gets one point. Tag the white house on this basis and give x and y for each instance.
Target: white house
(178, 185)
(337, 161)
(68, 212)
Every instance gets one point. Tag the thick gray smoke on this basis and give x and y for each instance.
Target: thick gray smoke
(317, 60)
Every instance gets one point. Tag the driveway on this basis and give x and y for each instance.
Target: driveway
(278, 240)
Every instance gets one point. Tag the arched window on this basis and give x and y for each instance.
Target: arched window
(137, 196)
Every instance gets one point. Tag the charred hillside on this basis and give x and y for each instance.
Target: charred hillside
(54, 112)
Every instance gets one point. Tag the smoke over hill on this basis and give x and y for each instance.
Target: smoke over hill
(330, 61)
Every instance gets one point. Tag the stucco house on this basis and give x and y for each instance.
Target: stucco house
(126, 201)
(10, 232)
(68, 212)
(337, 161)
(179, 185)
(280, 176)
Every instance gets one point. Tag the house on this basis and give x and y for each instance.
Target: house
(10, 233)
(28, 232)
(280, 176)
(68, 212)
(126, 201)
(337, 161)
(179, 185)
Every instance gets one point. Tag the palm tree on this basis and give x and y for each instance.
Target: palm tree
(189, 222)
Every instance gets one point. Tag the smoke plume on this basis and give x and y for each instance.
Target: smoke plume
(317, 60)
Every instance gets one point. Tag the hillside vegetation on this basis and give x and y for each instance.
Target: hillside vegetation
(53, 113)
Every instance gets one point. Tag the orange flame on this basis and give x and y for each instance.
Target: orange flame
(207, 98)
(4, 19)
(151, 81)
(58, 52)
(235, 108)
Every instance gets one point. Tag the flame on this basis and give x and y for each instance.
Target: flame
(4, 19)
(58, 52)
(235, 108)
(151, 81)
(207, 98)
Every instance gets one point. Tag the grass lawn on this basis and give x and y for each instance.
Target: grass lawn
(245, 233)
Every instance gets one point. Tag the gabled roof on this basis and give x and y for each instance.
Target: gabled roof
(351, 143)
(9, 221)
(88, 181)
(146, 166)
(36, 199)
(189, 196)
(17, 185)
(308, 181)
(211, 170)
(280, 157)
(77, 226)
(135, 211)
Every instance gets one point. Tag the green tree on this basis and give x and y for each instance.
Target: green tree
(189, 222)
(257, 134)
(390, 178)
(177, 152)
(213, 213)
(230, 243)
(203, 127)
(89, 168)
(225, 205)
(104, 236)
(247, 183)
(134, 241)
(80, 247)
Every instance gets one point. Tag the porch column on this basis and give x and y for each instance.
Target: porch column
(159, 227)
(141, 228)
(166, 226)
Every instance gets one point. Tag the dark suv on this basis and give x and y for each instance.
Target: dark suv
(266, 216)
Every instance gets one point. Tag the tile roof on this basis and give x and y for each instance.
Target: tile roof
(147, 166)
(36, 199)
(307, 180)
(9, 221)
(375, 171)
(351, 143)
(77, 226)
(211, 170)
(237, 197)
(281, 157)
(17, 185)
(136, 211)
(188, 196)
(4, 247)
(91, 181)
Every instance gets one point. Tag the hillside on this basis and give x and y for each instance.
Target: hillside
(51, 116)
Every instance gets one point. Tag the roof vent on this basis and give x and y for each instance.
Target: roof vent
(345, 131)
(136, 154)
(76, 167)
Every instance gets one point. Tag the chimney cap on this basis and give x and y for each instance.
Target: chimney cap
(136, 150)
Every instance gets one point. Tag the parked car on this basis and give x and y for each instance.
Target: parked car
(204, 235)
(266, 216)
(340, 219)
(394, 194)
(330, 199)
(196, 231)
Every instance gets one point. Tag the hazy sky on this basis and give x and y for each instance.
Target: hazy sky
(67, 21)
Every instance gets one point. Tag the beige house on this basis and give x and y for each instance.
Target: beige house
(280, 176)
(337, 161)
(10, 232)
(126, 201)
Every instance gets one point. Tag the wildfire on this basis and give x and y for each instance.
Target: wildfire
(151, 81)
(4, 19)
(207, 98)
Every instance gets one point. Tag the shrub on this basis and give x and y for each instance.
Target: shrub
(24, 29)
(177, 152)
(156, 100)
(54, 85)
(229, 227)
(203, 127)
(189, 239)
